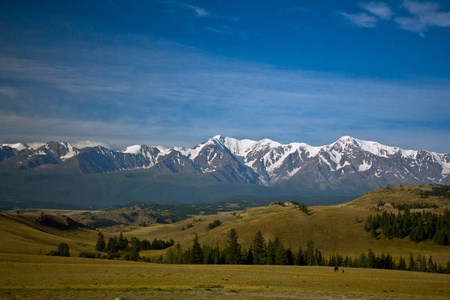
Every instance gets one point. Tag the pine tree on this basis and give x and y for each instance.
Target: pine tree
(101, 244)
(371, 259)
(412, 264)
(196, 253)
(299, 258)
(280, 257)
(249, 258)
(233, 248)
(259, 249)
(309, 254)
(402, 264)
(289, 257)
(123, 242)
(270, 258)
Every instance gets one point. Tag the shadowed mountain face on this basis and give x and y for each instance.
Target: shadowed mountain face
(347, 166)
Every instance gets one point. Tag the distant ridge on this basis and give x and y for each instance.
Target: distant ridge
(349, 166)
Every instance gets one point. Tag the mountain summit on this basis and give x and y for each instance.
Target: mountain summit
(349, 164)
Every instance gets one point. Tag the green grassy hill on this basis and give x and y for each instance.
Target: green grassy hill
(334, 229)
(22, 233)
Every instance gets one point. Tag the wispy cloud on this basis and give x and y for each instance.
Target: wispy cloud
(165, 93)
(224, 29)
(422, 16)
(361, 19)
(379, 9)
(8, 91)
(198, 11)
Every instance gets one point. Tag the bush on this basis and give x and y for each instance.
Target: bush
(214, 224)
(63, 250)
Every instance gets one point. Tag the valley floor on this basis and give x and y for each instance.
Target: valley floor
(43, 277)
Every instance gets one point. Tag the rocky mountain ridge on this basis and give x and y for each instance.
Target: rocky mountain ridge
(265, 162)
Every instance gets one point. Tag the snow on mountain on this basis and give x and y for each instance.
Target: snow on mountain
(275, 162)
(135, 149)
(237, 147)
(264, 162)
(18, 146)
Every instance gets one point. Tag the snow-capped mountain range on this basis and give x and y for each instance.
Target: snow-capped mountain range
(348, 161)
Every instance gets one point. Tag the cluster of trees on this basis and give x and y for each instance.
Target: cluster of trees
(131, 247)
(260, 253)
(274, 253)
(63, 250)
(214, 224)
(437, 190)
(405, 206)
(419, 226)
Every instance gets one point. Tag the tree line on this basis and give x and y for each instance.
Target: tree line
(405, 206)
(120, 246)
(437, 190)
(419, 226)
(260, 252)
(273, 252)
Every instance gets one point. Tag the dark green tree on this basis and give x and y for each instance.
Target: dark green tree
(249, 258)
(299, 258)
(233, 248)
(122, 242)
(412, 263)
(310, 254)
(63, 249)
(280, 257)
(402, 264)
(259, 249)
(101, 244)
(196, 253)
(289, 257)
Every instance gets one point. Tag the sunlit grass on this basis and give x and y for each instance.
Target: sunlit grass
(42, 276)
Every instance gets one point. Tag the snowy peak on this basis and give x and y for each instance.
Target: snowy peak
(264, 162)
(135, 149)
(275, 162)
(348, 142)
(17, 146)
(236, 147)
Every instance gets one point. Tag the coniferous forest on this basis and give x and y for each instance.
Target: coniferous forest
(419, 226)
(260, 252)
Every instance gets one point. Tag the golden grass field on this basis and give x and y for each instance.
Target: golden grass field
(27, 273)
(44, 277)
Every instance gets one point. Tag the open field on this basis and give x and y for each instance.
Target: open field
(44, 277)
(26, 273)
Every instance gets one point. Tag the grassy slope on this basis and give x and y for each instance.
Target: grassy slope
(397, 194)
(42, 277)
(21, 234)
(333, 228)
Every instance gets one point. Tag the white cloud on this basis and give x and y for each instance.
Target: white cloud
(172, 94)
(423, 16)
(361, 19)
(223, 30)
(198, 10)
(8, 91)
(379, 9)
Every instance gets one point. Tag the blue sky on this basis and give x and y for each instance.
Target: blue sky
(175, 73)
